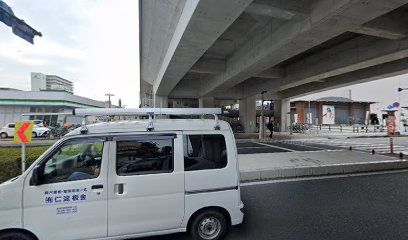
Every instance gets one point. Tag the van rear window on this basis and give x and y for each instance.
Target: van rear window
(203, 152)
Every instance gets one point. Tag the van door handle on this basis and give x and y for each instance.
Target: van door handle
(119, 188)
(94, 187)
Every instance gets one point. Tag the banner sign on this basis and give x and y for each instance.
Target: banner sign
(328, 114)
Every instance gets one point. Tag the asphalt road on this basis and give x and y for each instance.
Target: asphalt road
(380, 144)
(274, 147)
(359, 207)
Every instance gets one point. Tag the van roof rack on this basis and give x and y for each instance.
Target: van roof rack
(85, 112)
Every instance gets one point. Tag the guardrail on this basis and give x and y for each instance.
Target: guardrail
(348, 128)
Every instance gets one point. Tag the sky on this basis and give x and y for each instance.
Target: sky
(94, 43)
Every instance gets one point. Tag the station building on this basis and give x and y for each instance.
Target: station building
(341, 111)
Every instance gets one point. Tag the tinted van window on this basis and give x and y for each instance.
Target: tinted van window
(144, 157)
(75, 160)
(204, 152)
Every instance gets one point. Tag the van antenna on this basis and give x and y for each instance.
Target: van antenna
(217, 124)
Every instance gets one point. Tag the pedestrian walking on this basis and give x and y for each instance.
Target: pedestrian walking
(270, 127)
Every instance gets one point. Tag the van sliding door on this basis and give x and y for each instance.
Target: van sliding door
(146, 184)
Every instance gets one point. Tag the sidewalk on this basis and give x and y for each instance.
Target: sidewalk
(328, 135)
(266, 166)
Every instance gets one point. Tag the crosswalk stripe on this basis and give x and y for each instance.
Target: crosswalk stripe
(379, 147)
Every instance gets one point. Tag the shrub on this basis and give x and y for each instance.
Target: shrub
(10, 160)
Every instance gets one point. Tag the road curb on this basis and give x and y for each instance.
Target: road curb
(322, 170)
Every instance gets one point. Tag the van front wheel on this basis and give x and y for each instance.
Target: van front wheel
(208, 225)
(15, 236)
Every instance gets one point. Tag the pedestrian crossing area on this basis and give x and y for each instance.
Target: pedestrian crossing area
(379, 146)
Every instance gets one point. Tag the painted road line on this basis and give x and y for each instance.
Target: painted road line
(306, 145)
(249, 147)
(273, 146)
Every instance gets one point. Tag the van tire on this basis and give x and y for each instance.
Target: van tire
(34, 135)
(208, 225)
(3, 135)
(12, 235)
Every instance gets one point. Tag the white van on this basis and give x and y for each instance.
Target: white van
(130, 179)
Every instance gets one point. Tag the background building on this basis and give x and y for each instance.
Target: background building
(342, 110)
(14, 103)
(41, 82)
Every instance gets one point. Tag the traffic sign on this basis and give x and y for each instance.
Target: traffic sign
(23, 132)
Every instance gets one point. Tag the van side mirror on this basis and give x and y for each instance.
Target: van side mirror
(38, 177)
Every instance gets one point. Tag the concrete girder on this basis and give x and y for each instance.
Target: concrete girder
(274, 72)
(381, 71)
(355, 54)
(270, 11)
(152, 47)
(208, 66)
(199, 27)
(391, 26)
(378, 32)
(352, 55)
(292, 6)
(327, 19)
(214, 66)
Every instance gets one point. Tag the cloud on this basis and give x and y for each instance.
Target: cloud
(91, 42)
(113, 51)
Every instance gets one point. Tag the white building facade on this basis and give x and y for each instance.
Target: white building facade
(41, 82)
(14, 103)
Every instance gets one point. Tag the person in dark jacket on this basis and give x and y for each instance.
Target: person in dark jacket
(270, 127)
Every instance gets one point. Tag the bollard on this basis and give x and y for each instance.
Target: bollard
(391, 145)
(350, 148)
(373, 151)
(401, 156)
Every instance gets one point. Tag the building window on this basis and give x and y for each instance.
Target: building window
(203, 152)
(144, 157)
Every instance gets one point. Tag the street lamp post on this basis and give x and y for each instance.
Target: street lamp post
(261, 121)
(109, 97)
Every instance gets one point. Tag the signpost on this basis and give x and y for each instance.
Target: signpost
(23, 132)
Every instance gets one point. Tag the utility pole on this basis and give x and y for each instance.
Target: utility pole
(109, 97)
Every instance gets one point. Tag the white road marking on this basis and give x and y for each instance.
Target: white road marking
(249, 147)
(305, 145)
(273, 146)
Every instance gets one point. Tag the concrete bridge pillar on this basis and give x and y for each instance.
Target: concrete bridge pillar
(161, 101)
(206, 102)
(247, 114)
(281, 113)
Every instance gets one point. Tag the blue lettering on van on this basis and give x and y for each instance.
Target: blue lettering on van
(65, 195)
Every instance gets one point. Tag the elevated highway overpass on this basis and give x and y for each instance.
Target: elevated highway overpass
(231, 50)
